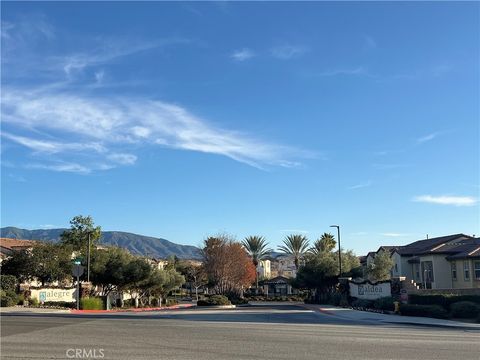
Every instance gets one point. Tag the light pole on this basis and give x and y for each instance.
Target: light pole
(339, 249)
(88, 259)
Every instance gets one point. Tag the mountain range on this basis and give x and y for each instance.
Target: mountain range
(136, 244)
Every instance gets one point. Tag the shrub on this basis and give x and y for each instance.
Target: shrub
(171, 302)
(8, 298)
(334, 299)
(33, 301)
(384, 303)
(214, 300)
(8, 282)
(362, 304)
(92, 303)
(445, 300)
(465, 310)
(238, 301)
(434, 311)
(20, 299)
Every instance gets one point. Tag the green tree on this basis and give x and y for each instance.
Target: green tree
(81, 228)
(51, 262)
(296, 246)
(325, 243)
(161, 282)
(257, 248)
(379, 269)
(19, 264)
(108, 269)
(135, 274)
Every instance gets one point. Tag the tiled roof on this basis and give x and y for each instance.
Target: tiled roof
(15, 243)
(427, 245)
(470, 250)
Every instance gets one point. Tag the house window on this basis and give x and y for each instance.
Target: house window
(466, 270)
(454, 271)
(396, 268)
(476, 268)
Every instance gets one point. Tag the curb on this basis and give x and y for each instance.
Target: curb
(134, 310)
(217, 307)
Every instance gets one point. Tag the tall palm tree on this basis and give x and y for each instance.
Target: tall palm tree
(325, 243)
(257, 248)
(295, 245)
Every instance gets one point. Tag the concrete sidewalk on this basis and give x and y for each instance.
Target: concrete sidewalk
(357, 315)
(32, 310)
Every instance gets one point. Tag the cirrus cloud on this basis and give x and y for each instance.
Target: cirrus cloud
(447, 200)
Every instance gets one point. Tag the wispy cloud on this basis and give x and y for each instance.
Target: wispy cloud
(105, 124)
(447, 200)
(427, 138)
(360, 185)
(394, 234)
(287, 51)
(70, 126)
(242, 54)
(293, 231)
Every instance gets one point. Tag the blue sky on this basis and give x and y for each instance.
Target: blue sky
(182, 120)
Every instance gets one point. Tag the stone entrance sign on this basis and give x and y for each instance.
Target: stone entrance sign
(370, 291)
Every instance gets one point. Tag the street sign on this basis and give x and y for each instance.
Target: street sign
(78, 270)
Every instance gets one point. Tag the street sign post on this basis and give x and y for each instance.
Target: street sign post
(78, 271)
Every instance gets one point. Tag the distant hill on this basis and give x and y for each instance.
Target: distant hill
(136, 244)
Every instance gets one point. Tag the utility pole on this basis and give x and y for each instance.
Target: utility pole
(339, 249)
(88, 258)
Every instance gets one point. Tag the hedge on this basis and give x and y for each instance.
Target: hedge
(92, 303)
(8, 298)
(214, 300)
(362, 304)
(384, 303)
(443, 300)
(465, 310)
(434, 311)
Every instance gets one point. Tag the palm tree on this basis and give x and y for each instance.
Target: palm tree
(257, 248)
(325, 243)
(295, 245)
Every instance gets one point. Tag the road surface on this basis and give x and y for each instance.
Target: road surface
(263, 332)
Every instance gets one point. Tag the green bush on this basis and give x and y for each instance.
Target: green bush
(8, 298)
(362, 304)
(171, 302)
(465, 310)
(238, 301)
(384, 303)
(434, 311)
(214, 300)
(8, 282)
(92, 303)
(33, 301)
(20, 299)
(445, 300)
(334, 299)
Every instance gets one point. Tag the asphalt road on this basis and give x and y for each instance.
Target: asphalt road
(274, 332)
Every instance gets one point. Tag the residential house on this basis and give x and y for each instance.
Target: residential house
(8, 246)
(426, 261)
(264, 269)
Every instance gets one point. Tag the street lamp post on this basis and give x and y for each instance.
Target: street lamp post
(339, 249)
(88, 259)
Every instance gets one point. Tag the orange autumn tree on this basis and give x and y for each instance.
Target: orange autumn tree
(228, 266)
